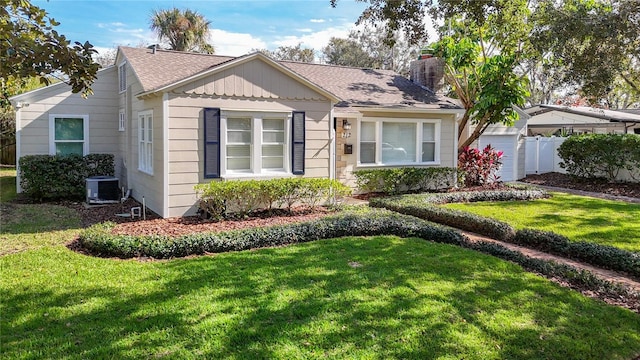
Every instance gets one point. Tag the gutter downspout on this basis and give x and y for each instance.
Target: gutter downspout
(332, 150)
(18, 145)
(165, 154)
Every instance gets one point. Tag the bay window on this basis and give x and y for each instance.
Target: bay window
(398, 142)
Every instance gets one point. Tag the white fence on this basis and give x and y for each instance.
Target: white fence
(542, 155)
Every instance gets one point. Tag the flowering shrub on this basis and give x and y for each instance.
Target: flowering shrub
(480, 167)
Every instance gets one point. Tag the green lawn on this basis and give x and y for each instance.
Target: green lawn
(357, 298)
(7, 184)
(374, 298)
(578, 218)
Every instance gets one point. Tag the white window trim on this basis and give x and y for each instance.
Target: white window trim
(122, 120)
(256, 145)
(122, 83)
(378, 140)
(52, 130)
(149, 168)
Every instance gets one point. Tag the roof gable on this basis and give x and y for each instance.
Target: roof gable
(163, 70)
(255, 77)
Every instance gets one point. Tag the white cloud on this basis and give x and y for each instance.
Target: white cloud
(234, 44)
(305, 30)
(317, 20)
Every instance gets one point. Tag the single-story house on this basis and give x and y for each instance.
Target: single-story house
(173, 120)
(550, 120)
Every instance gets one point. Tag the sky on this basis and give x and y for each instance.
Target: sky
(237, 26)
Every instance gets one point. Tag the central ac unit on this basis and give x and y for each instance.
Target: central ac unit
(102, 190)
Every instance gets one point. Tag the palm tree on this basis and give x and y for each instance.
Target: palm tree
(184, 30)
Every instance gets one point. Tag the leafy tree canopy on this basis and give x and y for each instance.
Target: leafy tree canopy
(184, 30)
(30, 47)
(290, 53)
(368, 48)
(597, 42)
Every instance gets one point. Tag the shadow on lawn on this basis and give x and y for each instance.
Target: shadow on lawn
(375, 298)
(37, 218)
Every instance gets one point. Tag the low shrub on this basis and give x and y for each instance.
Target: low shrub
(61, 176)
(601, 155)
(577, 279)
(99, 240)
(479, 167)
(426, 210)
(607, 257)
(405, 179)
(238, 198)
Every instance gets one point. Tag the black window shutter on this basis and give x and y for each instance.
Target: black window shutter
(211, 143)
(297, 143)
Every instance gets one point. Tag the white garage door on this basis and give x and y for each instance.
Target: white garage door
(506, 144)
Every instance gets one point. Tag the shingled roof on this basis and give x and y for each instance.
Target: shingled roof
(355, 87)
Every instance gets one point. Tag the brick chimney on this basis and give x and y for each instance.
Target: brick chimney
(428, 72)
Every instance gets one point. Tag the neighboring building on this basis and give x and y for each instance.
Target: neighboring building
(174, 120)
(550, 120)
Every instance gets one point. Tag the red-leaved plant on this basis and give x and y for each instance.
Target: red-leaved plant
(480, 167)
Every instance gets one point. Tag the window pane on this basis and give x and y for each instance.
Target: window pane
(429, 132)
(273, 137)
(243, 137)
(367, 152)
(272, 150)
(239, 124)
(69, 129)
(273, 124)
(63, 148)
(149, 129)
(398, 142)
(428, 151)
(239, 150)
(238, 164)
(367, 131)
(273, 163)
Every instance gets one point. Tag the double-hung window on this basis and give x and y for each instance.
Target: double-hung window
(145, 141)
(241, 143)
(68, 134)
(399, 142)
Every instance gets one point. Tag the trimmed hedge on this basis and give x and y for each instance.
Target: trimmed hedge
(405, 179)
(238, 198)
(365, 222)
(61, 176)
(99, 240)
(604, 256)
(422, 206)
(578, 279)
(601, 155)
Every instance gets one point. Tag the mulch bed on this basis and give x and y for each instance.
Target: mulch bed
(591, 185)
(195, 224)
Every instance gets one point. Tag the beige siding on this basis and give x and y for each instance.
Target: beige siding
(186, 139)
(101, 107)
(149, 186)
(253, 79)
